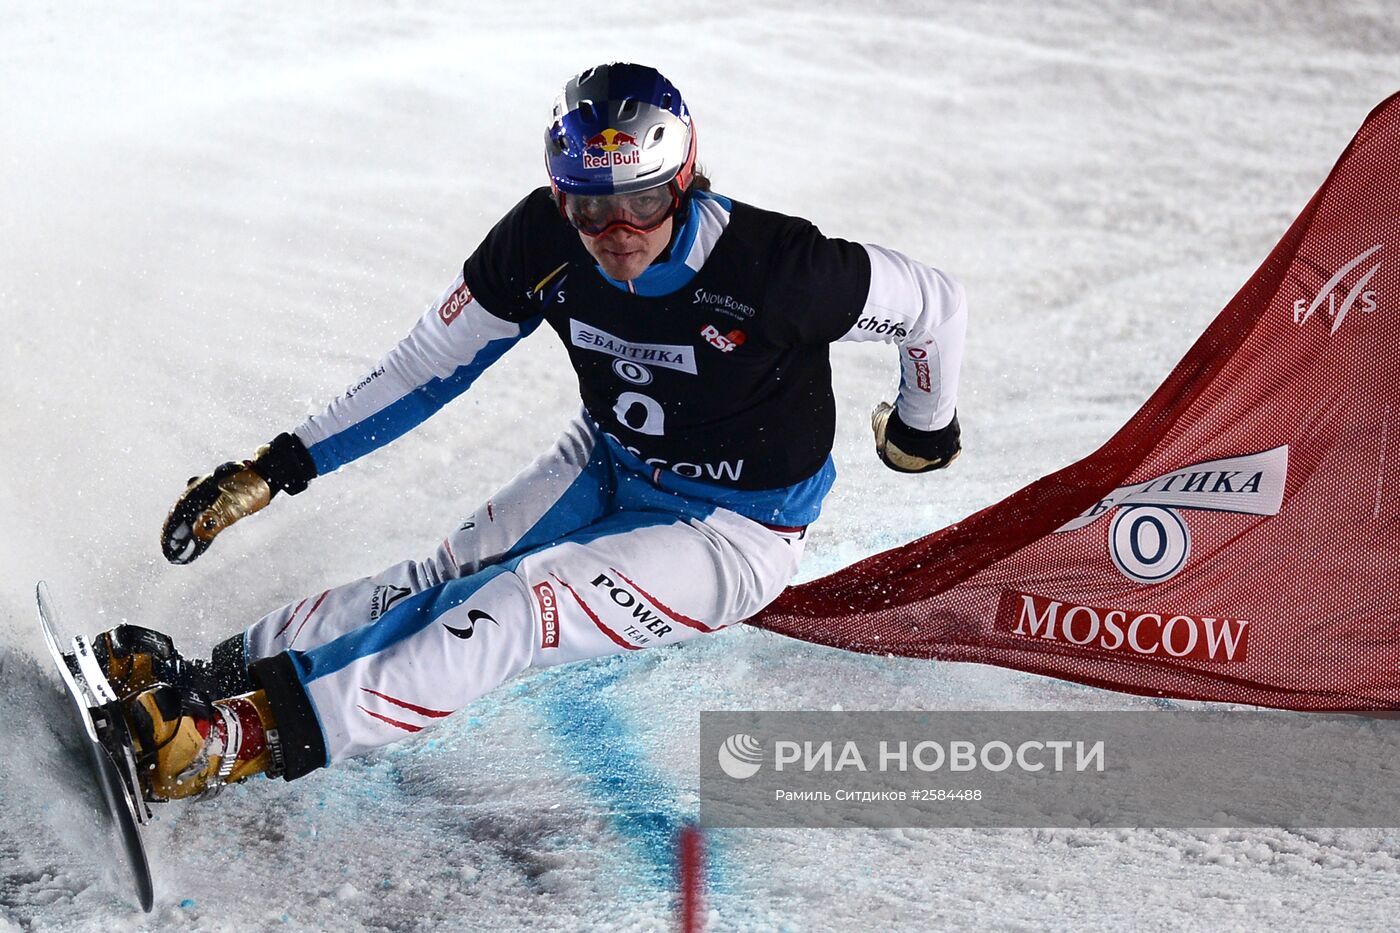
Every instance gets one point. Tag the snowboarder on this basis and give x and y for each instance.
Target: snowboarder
(676, 502)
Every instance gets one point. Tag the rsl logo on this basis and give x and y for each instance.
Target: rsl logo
(1359, 296)
(724, 343)
(1148, 537)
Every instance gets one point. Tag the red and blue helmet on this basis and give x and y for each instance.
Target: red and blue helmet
(619, 129)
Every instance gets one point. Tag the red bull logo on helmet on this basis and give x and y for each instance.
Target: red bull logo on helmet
(609, 148)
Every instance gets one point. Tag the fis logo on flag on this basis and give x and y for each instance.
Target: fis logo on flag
(1149, 539)
(1303, 309)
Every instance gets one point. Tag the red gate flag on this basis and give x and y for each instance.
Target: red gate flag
(1237, 540)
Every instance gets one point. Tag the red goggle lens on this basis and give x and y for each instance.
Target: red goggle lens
(642, 211)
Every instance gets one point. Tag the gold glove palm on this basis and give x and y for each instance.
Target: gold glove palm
(210, 504)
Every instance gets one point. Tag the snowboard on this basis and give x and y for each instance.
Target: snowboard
(103, 729)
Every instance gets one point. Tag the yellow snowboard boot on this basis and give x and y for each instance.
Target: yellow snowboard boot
(188, 746)
(135, 658)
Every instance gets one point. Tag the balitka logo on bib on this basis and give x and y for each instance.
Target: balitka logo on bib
(667, 355)
(611, 147)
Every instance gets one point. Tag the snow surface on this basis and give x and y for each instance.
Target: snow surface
(215, 217)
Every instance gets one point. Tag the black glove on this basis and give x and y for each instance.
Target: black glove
(907, 450)
(233, 491)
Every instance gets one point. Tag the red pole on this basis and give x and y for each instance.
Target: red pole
(691, 861)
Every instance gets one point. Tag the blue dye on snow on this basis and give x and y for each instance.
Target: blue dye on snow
(598, 744)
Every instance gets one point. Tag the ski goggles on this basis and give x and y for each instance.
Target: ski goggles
(640, 211)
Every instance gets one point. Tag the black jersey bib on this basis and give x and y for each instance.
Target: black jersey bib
(726, 379)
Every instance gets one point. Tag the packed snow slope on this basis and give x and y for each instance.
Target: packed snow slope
(215, 218)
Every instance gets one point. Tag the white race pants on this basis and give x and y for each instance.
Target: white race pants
(577, 557)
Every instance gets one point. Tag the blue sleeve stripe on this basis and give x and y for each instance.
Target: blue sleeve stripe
(414, 614)
(402, 621)
(408, 412)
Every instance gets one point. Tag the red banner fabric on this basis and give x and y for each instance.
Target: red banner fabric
(1237, 540)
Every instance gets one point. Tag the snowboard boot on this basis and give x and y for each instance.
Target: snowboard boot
(187, 746)
(135, 658)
